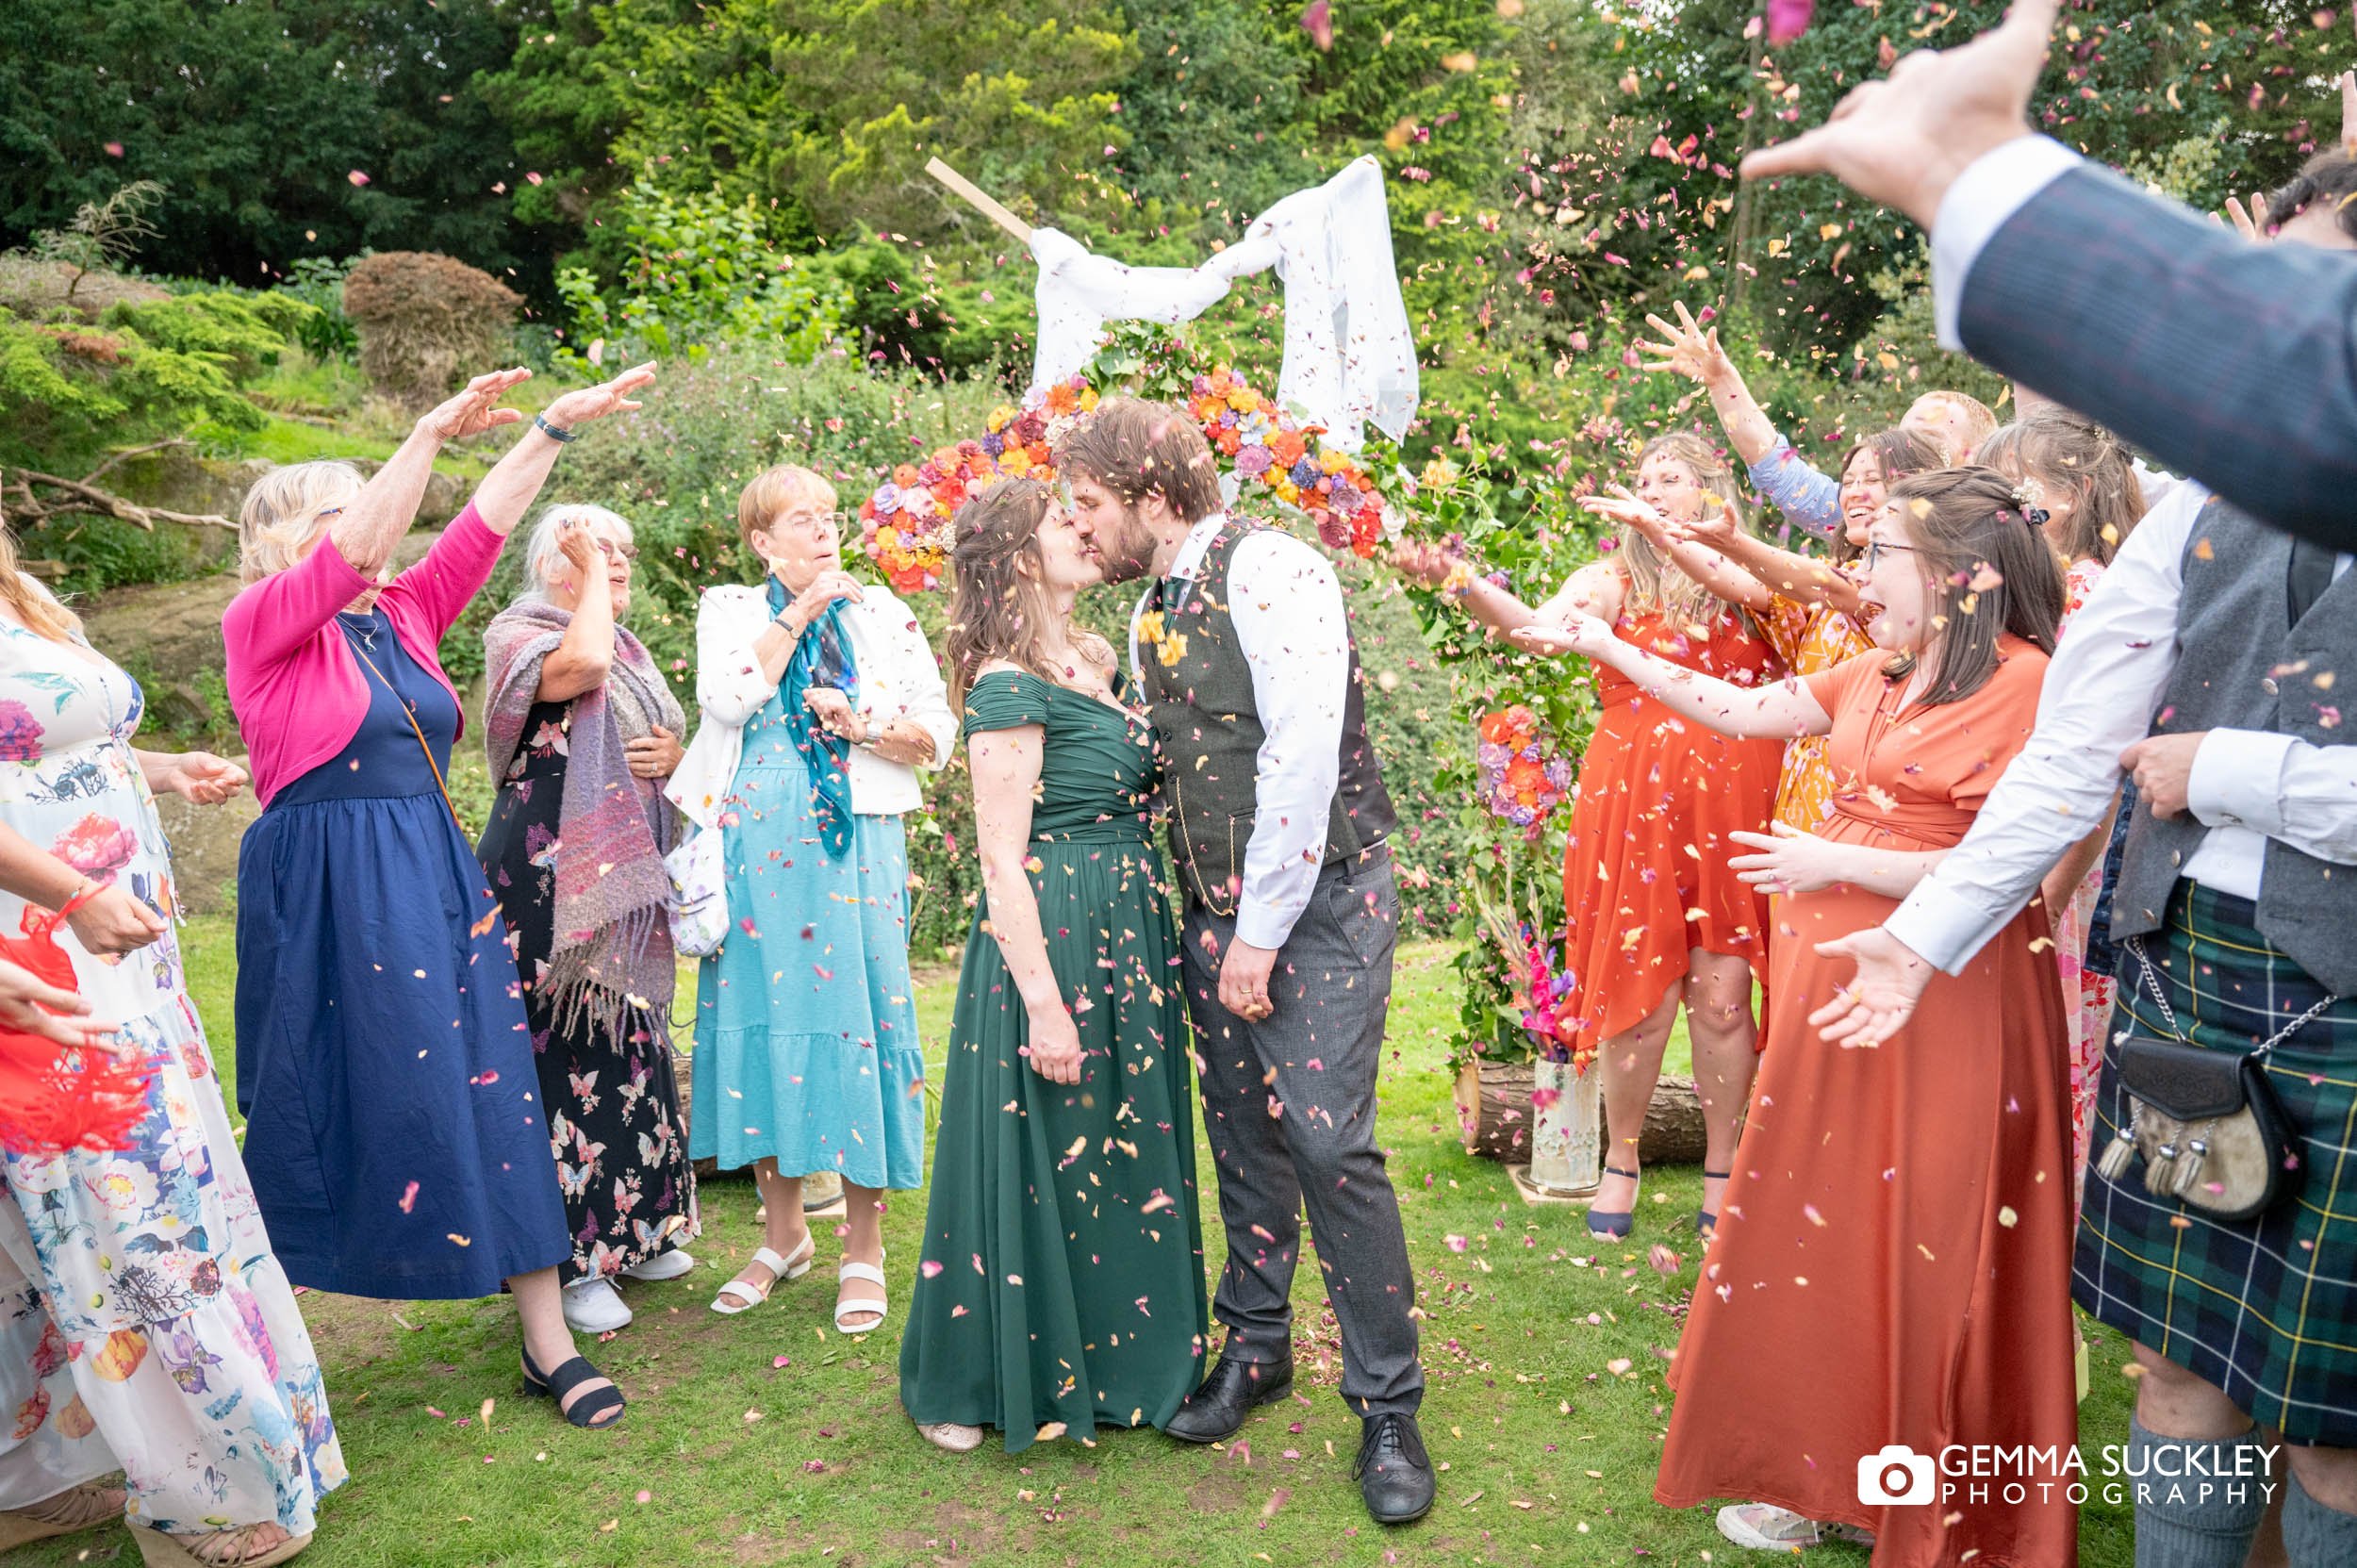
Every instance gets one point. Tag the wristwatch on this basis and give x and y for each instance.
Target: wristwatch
(870, 732)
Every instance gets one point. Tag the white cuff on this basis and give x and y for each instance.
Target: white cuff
(1942, 926)
(1977, 203)
(2237, 780)
(1263, 926)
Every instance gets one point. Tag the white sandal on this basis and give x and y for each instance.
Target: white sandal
(858, 1304)
(1766, 1527)
(739, 1295)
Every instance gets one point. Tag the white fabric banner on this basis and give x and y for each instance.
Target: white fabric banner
(1349, 357)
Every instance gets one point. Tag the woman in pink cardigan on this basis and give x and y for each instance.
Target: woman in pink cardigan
(394, 1136)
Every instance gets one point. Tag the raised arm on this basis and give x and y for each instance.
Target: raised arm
(1780, 712)
(370, 527)
(584, 656)
(1688, 349)
(509, 489)
(1006, 769)
(1596, 589)
(1699, 561)
(1787, 574)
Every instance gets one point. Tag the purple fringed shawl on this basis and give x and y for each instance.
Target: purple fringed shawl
(613, 948)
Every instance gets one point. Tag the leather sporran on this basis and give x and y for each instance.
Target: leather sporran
(2207, 1124)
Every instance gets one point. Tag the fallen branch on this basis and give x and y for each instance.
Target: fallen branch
(20, 506)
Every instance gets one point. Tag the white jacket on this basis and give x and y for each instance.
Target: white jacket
(899, 678)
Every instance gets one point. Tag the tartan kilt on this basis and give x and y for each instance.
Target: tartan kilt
(2265, 1308)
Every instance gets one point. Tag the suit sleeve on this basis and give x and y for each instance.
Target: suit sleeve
(2233, 362)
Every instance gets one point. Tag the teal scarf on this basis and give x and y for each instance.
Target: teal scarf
(821, 658)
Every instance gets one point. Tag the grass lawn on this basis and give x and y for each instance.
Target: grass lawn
(771, 1438)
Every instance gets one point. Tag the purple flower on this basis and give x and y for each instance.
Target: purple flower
(1305, 473)
(1254, 461)
(994, 443)
(1346, 500)
(20, 733)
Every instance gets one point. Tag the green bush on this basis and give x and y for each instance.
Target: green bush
(703, 272)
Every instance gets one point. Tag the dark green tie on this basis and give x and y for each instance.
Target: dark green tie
(2311, 575)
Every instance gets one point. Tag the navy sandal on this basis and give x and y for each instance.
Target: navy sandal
(1607, 1225)
(585, 1411)
(1706, 1223)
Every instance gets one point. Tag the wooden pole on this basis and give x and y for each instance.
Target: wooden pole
(980, 200)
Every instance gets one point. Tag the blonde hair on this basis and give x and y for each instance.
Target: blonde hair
(775, 492)
(1656, 583)
(1980, 422)
(281, 520)
(2053, 446)
(33, 604)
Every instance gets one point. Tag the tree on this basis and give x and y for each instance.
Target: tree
(257, 117)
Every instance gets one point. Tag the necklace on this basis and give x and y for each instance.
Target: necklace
(365, 631)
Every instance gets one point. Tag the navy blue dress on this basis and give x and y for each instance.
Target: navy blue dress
(394, 1130)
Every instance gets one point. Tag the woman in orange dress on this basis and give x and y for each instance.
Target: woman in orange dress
(1894, 1261)
(1654, 917)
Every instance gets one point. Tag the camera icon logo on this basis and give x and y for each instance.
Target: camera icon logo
(1897, 1476)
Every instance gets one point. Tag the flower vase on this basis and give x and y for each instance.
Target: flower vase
(1567, 1140)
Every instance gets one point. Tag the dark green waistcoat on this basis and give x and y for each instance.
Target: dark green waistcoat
(1203, 708)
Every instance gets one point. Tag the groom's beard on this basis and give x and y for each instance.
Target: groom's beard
(1128, 553)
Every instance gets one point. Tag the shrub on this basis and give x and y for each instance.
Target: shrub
(318, 281)
(426, 322)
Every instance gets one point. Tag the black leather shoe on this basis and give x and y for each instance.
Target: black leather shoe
(1215, 1412)
(1394, 1476)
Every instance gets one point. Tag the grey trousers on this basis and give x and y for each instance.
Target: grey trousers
(1289, 1105)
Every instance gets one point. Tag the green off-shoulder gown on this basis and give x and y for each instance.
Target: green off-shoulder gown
(1061, 1278)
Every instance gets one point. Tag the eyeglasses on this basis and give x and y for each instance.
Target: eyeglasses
(814, 521)
(1876, 550)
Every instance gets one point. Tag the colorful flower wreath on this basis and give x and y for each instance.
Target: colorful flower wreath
(905, 524)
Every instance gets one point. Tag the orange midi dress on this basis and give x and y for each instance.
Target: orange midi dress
(1645, 875)
(1893, 1257)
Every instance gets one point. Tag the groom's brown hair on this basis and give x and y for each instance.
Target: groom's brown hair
(1136, 448)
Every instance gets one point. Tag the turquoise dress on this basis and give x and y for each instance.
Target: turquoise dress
(1062, 1280)
(806, 1044)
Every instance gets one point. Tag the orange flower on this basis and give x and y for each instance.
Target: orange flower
(1288, 446)
(905, 475)
(1061, 398)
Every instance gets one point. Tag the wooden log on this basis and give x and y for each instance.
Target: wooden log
(1496, 1116)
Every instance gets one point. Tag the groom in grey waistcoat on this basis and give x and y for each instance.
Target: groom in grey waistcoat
(1241, 650)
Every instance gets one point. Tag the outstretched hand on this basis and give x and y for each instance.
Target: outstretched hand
(1687, 348)
(1877, 1003)
(595, 403)
(473, 410)
(1902, 141)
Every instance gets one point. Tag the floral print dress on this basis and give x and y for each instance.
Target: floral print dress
(145, 1324)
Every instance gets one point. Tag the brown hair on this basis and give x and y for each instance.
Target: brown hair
(1655, 582)
(2053, 447)
(1136, 448)
(1961, 521)
(32, 604)
(774, 492)
(996, 610)
(2329, 176)
(1899, 454)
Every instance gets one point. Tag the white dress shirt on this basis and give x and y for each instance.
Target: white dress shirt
(2100, 692)
(899, 678)
(1291, 622)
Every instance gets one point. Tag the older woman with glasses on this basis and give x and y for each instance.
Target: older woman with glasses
(820, 699)
(395, 1131)
(582, 729)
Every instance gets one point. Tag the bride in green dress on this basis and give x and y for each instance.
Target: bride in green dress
(1061, 1282)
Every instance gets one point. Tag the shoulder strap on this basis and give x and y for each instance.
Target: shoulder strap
(408, 712)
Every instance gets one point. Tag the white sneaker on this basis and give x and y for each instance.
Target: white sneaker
(668, 1265)
(595, 1306)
